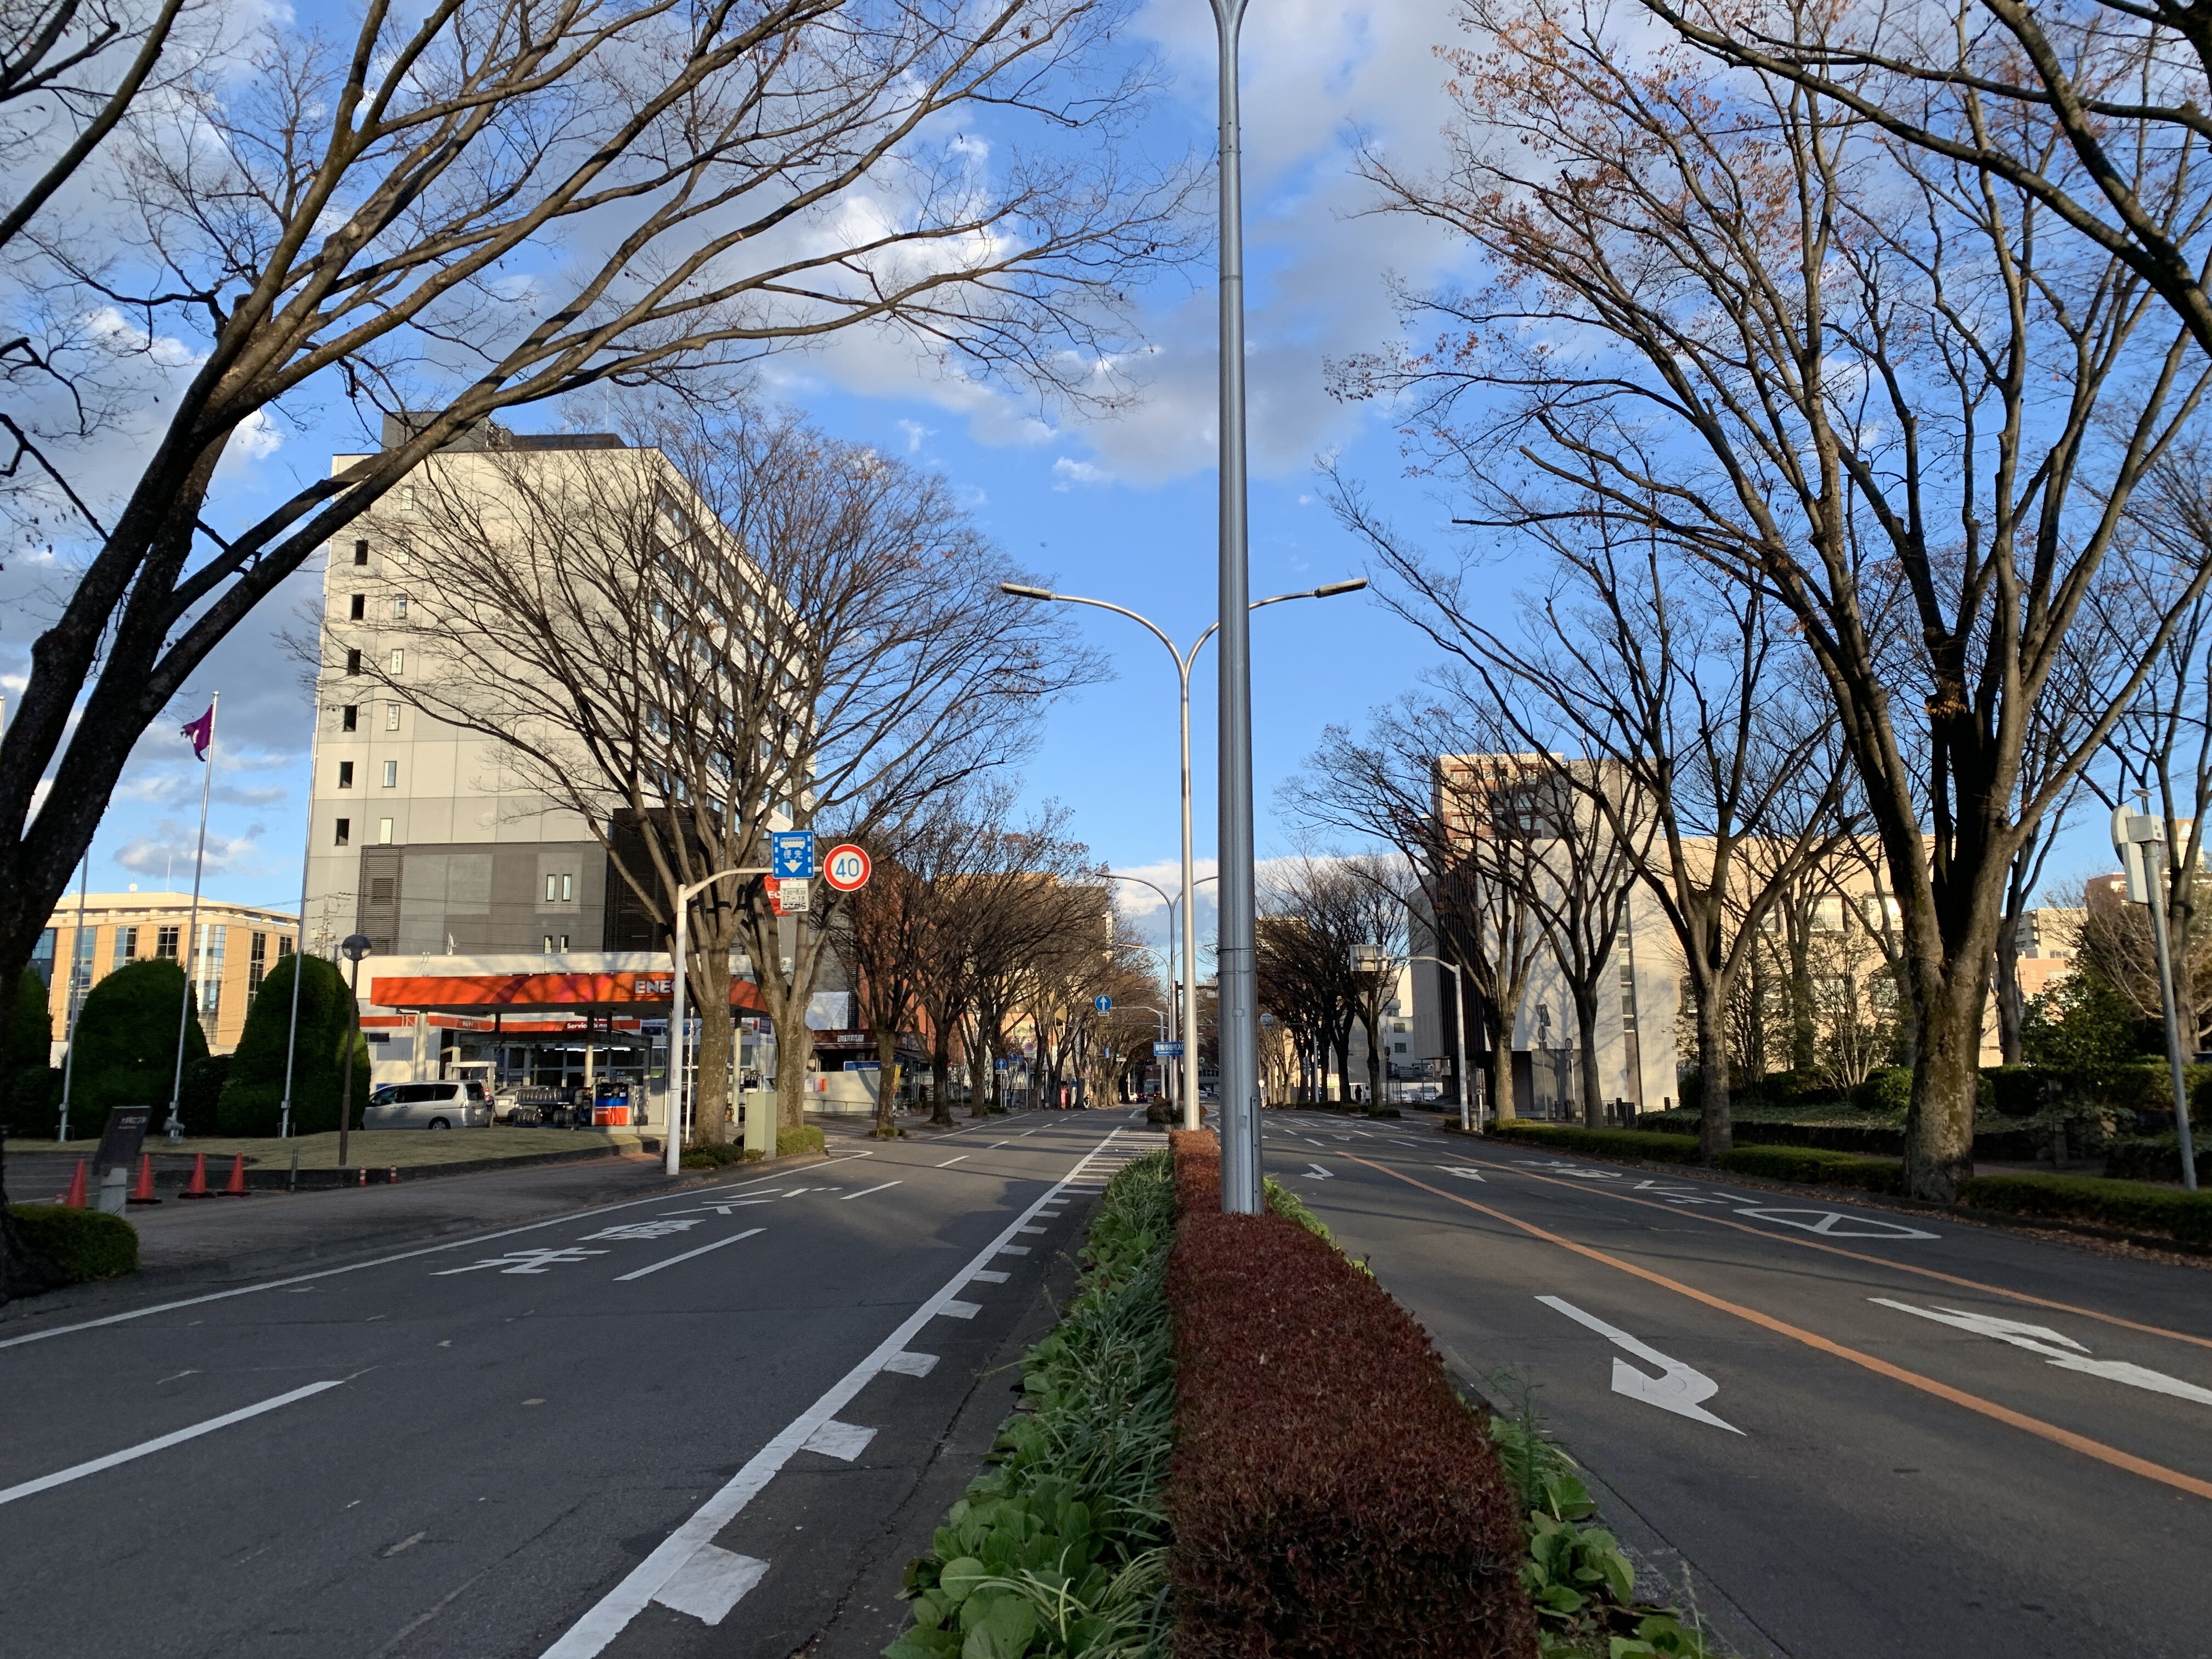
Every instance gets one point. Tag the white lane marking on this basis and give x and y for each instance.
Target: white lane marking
(1012, 1249)
(2061, 1350)
(1463, 1172)
(1834, 1224)
(950, 1162)
(608, 1617)
(78, 1471)
(1677, 1390)
(842, 1441)
(724, 1209)
(1030, 1230)
(960, 1309)
(523, 1261)
(988, 1278)
(994, 1145)
(864, 1191)
(660, 1229)
(1315, 1172)
(911, 1364)
(564, 1220)
(710, 1583)
(654, 1267)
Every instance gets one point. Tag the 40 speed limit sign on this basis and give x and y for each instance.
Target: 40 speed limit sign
(846, 868)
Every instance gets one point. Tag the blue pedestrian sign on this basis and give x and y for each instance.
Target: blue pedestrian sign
(1167, 1051)
(791, 855)
(1104, 1004)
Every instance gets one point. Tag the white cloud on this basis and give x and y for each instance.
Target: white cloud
(167, 851)
(1072, 472)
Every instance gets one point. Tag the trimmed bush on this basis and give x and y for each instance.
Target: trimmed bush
(2016, 1091)
(1886, 1089)
(1818, 1166)
(790, 1143)
(1659, 1148)
(85, 1244)
(1330, 1494)
(126, 1044)
(715, 1155)
(1059, 1548)
(2123, 1205)
(253, 1096)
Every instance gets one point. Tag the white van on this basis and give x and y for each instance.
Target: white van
(428, 1106)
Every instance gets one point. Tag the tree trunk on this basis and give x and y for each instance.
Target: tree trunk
(1798, 922)
(1939, 1127)
(1585, 1001)
(1716, 1131)
(887, 1085)
(979, 1075)
(709, 974)
(2012, 1007)
(940, 1076)
(1372, 1025)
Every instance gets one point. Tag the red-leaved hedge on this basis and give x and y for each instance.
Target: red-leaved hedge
(1331, 1496)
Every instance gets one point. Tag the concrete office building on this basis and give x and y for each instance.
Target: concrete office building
(237, 945)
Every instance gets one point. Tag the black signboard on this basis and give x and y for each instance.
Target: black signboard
(119, 1146)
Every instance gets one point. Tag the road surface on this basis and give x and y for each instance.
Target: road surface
(1868, 1432)
(663, 1427)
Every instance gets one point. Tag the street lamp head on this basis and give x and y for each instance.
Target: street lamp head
(1021, 590)
(1334, 588)
(355, 946)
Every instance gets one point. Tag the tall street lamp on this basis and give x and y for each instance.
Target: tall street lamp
(1167, 1033)
(677, 1057)
(1459, 1035)
(1183, 661)
(352, 947)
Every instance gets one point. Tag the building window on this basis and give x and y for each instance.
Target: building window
(549, 944)
(361, 552)
(353, 662)
(81, 960)
(208, 971)
(165, 943)
(392, 774)
(344, 837)
(42, 958)
(392, 717)
(126, 945)
(345, 775)
(350, 717)
(380, 890)
(358, 611)
(256, 963)
(283, 946)
(407, 498)
(560, 889)
(384, 832)
(399, 662)
(556, 942)
(399, 609)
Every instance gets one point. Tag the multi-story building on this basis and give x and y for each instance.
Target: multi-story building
(236, 945)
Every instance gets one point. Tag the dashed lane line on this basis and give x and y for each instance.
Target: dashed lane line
(624, 1278)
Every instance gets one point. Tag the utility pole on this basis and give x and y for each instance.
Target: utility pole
(2133, 838)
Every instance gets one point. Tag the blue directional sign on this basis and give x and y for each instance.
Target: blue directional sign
(1167, 1051)
(1104, 1004)
(791, 855)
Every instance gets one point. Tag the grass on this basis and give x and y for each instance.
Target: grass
(408, 1149)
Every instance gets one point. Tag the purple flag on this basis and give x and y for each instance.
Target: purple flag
(201, 733)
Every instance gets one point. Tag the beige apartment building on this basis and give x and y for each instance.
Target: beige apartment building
(236, 946)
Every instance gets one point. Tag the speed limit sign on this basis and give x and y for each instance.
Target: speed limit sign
(846, 868)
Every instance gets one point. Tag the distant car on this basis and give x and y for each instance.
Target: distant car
(428, 1106)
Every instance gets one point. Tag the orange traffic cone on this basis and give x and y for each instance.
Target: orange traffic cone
(236, 1188)
(74, 1199)
(143, 1192)
(198, 1188)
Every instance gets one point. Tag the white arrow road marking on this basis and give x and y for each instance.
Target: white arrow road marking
(724, 1209)
(1834, 1224)
(1461, 1171)
(1318, 1173)
(2063, 1352)
(1677, 1390)
(77, 1472)
(659, 1229)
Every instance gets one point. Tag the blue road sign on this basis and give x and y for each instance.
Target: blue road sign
(1167, 1051)
(863, 1066)
(791, 855)
(1104, 1004)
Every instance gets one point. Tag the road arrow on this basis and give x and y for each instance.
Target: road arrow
(1463, 1173)
(1318, 1173)
(1677, 1387)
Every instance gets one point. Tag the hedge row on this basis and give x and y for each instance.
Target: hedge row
(1656, 1147)
(1808, 1163)
(2126, 1205)
(1059, 1547)
(1330, 1494)
(85, 1244)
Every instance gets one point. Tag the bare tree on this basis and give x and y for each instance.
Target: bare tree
(748, 627)
(882, 932)
(1815, 359)
(472, 207)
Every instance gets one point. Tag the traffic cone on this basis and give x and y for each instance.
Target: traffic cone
(236, 1188)
(143, 1192)
(364, 1182)
(392, 1176)
(74, 1199)
(199, 1187)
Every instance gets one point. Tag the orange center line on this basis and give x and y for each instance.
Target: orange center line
(1973, 1402)
(1855, 1255)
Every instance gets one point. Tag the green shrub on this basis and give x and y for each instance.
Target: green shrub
(203, 1089)
(85, 1244)
(1818, 1166)
(126, 1044)
(2125, 1204)
(1602, 1143)
(27, 1034)
(2016, 1091)
(253, 1096)
(790, 1143)
(1886, 1089)
(715, 1155)
(33, 1104)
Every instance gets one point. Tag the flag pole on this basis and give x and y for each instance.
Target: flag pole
(300, 949)
(75, 1005)
(192, 952)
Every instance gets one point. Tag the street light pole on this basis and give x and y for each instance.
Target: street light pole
(1176, 1030)
(352, 947)
(677, 1056)
(2134, 837)
(1459, 1035)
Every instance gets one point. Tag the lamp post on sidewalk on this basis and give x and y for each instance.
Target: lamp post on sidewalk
(2134, 837)
(678, 1056)
(1459, 1035)
(1191, 1111)
(352, 947)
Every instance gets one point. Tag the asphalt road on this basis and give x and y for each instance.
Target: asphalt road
(665, 1427)
(1865, 1431)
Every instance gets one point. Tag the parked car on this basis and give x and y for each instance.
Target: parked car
(428, 1106)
